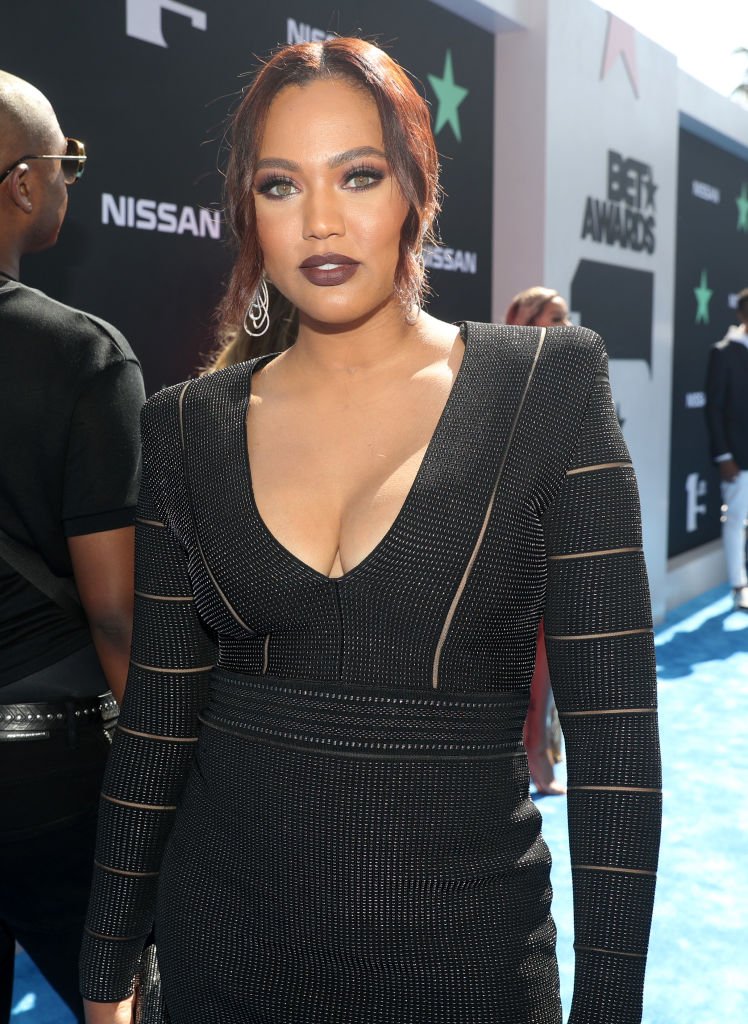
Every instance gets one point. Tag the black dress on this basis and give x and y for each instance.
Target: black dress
(338, 807)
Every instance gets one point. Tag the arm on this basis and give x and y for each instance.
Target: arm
(153, 747)
(716, 398)
(103, 571)
(601, 655)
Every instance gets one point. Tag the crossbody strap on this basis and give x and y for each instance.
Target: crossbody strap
(32, 567)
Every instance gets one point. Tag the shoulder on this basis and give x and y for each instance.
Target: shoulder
(165, 410)
(569, 355)
(87, 340)
(586, 343)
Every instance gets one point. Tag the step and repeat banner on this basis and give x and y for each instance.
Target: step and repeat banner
(711, 268)
(611, 205)
(148, 85)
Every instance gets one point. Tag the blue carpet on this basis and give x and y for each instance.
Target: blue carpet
(696, 972)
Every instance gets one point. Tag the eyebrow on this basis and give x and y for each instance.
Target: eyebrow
(332, 163)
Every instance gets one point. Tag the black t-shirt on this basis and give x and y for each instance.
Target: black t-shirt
(71, 391)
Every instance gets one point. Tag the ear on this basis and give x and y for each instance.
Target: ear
(19, 188)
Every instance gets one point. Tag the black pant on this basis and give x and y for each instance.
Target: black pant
(49, 792)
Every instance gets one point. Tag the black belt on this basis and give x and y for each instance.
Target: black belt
(38, 721)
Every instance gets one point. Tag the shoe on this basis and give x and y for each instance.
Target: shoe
(740, 597)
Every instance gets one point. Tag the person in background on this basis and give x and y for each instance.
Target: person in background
(70, 397)
(541, 307)
(727, 419)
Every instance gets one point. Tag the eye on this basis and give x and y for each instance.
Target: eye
(361, 178)
(277, 188)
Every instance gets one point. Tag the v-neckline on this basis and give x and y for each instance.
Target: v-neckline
(359, 567)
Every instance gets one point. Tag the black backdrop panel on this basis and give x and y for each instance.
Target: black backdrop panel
(138, 247)
(711, 267)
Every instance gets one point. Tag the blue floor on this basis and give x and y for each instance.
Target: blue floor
(697, 972)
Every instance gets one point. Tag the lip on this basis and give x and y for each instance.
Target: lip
(323, 258)
(328, 269)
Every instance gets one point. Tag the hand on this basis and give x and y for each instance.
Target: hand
(729, 470)
(109, 1013)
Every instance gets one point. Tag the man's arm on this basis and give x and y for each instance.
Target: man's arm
(103, 569)
(716, 397)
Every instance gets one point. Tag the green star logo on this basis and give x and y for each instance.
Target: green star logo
(450, 96)
(742, 204)
(703, 296)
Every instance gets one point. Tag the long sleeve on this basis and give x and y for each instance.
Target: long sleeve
(153, 747)
(716, 399)
(601, 655)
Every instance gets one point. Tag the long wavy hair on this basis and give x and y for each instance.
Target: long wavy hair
(411, 152)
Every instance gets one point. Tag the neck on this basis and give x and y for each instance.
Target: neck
(10, 261)
(369, 344)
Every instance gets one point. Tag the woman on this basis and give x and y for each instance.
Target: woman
(372, 525)
(541, 307)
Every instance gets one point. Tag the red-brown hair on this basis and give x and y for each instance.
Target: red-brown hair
(408, 140)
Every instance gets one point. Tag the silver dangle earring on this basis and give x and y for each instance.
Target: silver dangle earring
(257, 317)
(414, 311)
(411, 300)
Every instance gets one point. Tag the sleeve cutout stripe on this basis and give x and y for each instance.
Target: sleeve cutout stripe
(150, 522)
(115, 938)
(617, 871)
(609, 711)
(127, 874)
(609, 952)
(172, 671)
(593, 554)
(160, 597)
(602, 636)
(599, 466)
(155, 736)
(138, 807)
(615, 789)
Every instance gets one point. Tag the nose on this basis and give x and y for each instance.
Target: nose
(323, 217)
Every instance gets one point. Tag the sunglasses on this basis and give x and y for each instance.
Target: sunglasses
(73, 161)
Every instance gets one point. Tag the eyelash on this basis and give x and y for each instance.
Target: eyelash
(356, 172)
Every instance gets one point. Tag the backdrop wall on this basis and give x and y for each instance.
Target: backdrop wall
(148, 86)
(568, 177)
(711, 267)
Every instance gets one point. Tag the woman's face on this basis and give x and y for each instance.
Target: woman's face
(553, 314)
(329, 211)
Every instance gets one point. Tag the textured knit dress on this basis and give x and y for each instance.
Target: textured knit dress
(318, 789)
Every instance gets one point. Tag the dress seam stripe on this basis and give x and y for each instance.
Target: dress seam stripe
(155, 736)
(609, 952)
(594, 554)
(489, 509)
(654, 790)
(600, 636)
(598, 466)
(617, 871)
(182, 434)
(138, 807)
(608, 711)
(126, 874)
(172, 671)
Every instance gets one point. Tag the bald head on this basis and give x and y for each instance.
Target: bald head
(27, 121)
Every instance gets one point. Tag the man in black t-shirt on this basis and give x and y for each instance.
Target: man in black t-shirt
(70, 397)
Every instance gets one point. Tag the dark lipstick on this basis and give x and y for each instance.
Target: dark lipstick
(328, 268)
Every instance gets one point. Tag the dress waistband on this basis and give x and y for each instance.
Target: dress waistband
(381, 722)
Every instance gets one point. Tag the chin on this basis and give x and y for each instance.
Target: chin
(341, 314)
